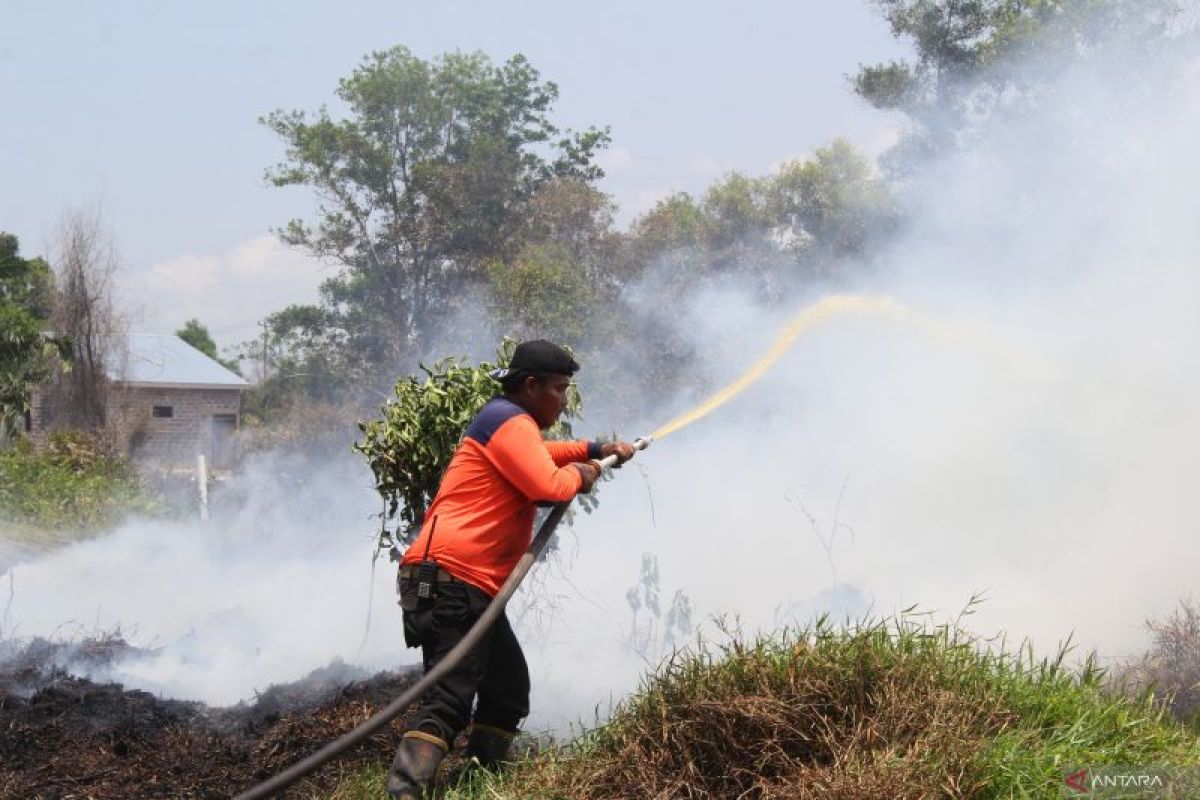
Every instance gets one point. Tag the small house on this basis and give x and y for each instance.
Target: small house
(169, 402)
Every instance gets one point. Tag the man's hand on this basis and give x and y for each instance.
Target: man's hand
(589, 471)
(622, 450)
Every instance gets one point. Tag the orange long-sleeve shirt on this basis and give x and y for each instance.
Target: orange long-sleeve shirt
(481, 520)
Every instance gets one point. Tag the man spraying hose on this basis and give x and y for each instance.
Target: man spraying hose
(473, 534)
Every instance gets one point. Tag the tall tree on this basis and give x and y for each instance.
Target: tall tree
(196, 334)
(766, 233)
(27, 283)
(830, 206)
(27, 352)
(430, 176)
(564, 271)
(973, 55)
(544, 293)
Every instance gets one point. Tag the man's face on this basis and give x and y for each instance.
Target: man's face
(547, 398)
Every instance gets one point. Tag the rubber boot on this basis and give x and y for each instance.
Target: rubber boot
(489, 745)
(415, 766)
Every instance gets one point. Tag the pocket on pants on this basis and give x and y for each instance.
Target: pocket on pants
(418, 627)
(446, 615)
(452, 611)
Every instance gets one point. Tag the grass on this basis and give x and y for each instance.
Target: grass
(889, 709)
(69, 488)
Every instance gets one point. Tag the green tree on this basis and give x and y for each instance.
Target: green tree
(735, 213)
(27, 353)
(667, 242)
(675, 223)
(799, 222)
(302, 359)
(554, 287)
(543, 293)
(974, 55)
(683, 243)
(575, 215)
(430, 176)
(197, 335)
(26, 283)
(830, 206)
(300, 364)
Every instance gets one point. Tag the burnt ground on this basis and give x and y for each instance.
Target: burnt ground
(63, 736)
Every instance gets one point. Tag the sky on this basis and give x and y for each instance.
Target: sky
(150, 111)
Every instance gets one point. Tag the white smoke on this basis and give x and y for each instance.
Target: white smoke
(1046, 456)
(259, 596)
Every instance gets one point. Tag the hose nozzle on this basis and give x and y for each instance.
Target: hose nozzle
(640, 443)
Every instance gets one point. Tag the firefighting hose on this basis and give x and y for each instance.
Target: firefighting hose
(494, 610)
(830, 307)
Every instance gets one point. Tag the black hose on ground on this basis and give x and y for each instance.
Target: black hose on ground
(381, 718)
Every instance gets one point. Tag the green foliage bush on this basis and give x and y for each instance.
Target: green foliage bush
(409, 447)
(73, 485)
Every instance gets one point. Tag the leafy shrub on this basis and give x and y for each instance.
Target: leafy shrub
(409, 447)
(72, 485)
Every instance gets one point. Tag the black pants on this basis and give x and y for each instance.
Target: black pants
(494, 670)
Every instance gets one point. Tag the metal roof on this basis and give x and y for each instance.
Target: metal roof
(169, 360)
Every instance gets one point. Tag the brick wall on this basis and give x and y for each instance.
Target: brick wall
(176, 439)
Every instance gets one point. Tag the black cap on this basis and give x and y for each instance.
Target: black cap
(539, 356)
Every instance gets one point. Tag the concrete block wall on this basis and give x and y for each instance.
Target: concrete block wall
(174, 440)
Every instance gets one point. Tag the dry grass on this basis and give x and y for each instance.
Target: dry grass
(901, 709)
(829, 717)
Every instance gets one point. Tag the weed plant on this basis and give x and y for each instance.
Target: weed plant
(70, 486)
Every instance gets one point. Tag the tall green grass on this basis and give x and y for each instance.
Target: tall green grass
(881, 709)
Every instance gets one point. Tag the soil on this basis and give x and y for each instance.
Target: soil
(63, 736)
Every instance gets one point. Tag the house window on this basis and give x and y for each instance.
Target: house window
(164, 412)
